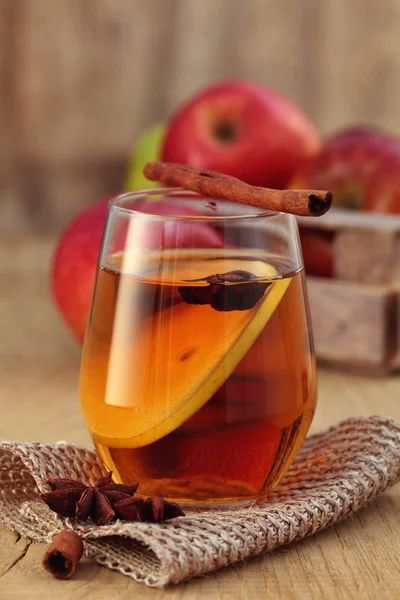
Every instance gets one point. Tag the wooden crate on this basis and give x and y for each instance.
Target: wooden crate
(356, 315)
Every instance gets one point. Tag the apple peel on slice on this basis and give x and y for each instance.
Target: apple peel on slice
(173, 365)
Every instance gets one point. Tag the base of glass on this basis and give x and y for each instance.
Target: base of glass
(229, 505)
(210, 504)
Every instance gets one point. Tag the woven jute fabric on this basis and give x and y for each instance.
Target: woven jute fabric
(334, 474)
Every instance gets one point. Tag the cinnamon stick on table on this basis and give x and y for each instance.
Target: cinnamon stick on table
(305, 203)
(63, 554)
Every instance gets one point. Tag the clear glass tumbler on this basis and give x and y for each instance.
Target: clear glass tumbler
(198, 372)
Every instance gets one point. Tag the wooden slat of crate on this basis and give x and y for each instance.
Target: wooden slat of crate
(371, 256)
(366, 246)
(355, 326)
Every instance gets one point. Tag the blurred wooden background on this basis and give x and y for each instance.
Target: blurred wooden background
(80, 79)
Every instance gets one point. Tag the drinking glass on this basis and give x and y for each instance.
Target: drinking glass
(198, 372)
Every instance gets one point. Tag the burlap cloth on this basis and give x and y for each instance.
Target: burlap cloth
(335, 473)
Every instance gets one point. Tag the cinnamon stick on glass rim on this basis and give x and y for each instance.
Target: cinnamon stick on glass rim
(304, 203)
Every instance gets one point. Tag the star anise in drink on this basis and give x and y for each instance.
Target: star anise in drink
(105, 501)
(235, 290)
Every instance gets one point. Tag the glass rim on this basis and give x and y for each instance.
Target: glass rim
(113, 205)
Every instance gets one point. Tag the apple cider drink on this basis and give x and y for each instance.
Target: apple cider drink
(198, 374)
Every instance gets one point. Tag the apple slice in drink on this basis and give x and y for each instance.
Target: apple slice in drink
(163, 369)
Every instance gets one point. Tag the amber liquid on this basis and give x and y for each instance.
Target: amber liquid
(198, 405)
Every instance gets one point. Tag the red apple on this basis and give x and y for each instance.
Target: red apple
(349, 163)
(317, 252)
(361, 166)
(74, 265)
(75, 257)
(383, 191)
(242, 129)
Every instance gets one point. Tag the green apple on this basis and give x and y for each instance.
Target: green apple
(147, 149)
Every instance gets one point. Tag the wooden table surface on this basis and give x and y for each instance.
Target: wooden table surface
(39, 367)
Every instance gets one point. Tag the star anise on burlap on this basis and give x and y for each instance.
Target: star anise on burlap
(153, 510)
(105, 501)
(71, 498)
